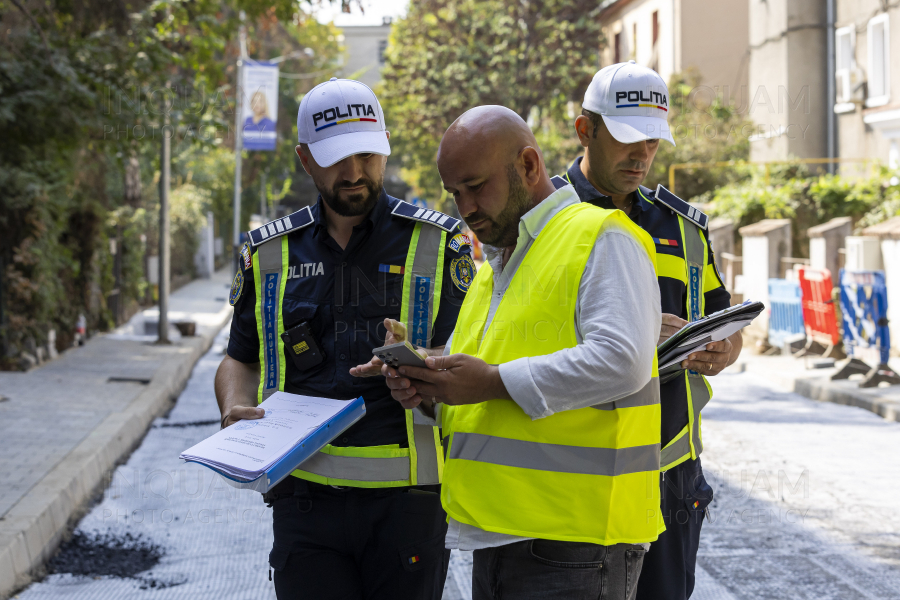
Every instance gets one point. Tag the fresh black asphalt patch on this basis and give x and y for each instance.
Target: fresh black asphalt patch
(106, 554)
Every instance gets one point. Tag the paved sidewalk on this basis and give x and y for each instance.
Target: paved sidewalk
(797, 375)
(67, 423)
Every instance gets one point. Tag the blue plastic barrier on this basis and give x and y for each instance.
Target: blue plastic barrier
(864, 312)
(786, 316)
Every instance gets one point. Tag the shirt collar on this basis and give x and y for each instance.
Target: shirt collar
(534, 221)
(588, 193)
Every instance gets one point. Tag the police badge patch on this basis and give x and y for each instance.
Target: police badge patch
(458, 241)
(462, 272)
(237, 286)
(246, 256)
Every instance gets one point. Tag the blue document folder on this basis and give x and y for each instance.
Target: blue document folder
(310, 445)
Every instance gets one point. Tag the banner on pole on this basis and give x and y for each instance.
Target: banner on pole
(259, 113)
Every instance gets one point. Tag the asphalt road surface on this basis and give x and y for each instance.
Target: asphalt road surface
(806, 506)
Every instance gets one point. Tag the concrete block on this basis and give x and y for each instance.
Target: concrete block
(7, 568)
(34, 542)
(12, 547)
(764, 245)
(721, 235)
(825, 242)
(889, 235)
(863, 253)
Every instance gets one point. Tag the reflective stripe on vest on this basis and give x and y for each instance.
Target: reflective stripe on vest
(269, 271)
(577, 475)
(646, 396)
(376, 466)
(422, 283)
(556, 458)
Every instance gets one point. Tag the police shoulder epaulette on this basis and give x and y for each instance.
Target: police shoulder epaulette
(558, 182)
(426, 215)
(279, 227)
(684, 209)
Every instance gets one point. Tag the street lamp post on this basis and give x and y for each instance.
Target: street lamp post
(239, 131)
(164, 249)
(238, 141)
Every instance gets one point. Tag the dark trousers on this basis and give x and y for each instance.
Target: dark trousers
(668, 572)
(551, 570)
(355, 544)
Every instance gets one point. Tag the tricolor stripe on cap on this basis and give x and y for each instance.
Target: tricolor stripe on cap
(346, 121)
(642, 106)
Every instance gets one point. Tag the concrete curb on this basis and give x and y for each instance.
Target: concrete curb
(32, 530)
(826, 390)
(884, 402)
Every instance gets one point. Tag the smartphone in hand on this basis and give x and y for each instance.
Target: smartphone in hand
(401, 354)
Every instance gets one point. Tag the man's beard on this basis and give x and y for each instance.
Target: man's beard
(356, 204)
(504, 229)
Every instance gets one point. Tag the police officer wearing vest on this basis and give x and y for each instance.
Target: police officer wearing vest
(548, 396)
(623, 119)
(315, 293)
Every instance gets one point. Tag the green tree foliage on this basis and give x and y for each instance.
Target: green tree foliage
(84, 88)
(447, 56)
(808, 199)
(706, 128)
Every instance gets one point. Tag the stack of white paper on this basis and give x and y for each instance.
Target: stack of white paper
(712, 328)
(247, 449)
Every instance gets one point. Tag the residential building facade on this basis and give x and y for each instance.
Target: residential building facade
(365, 46)
(825, 78)
(672, 36)
(788, 75)
(867, 78)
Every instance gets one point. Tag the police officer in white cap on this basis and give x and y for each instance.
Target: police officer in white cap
(623, 118)
(317, 291)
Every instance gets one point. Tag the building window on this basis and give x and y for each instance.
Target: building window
(879, 61)
(617, 48)
(382, 46)
(655, 27)
(845, 68)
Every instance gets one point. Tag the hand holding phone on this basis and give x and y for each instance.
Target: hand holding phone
(395, 332)
(401, 354)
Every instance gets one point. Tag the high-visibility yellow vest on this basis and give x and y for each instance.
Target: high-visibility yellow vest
(589, 475)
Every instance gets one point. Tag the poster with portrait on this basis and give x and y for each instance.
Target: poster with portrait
(259, 111)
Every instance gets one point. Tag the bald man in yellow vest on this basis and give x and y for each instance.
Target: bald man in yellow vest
(548, 394)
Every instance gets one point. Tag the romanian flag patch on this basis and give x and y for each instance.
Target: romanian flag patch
(663, 242)
(391, 269)
(414, 559)
(246, 254)
(696, 503)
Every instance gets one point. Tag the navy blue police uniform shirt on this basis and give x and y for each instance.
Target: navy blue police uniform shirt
(661, 223)
(345, 295)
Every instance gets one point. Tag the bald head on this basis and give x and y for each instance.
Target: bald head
(488, 129)
(490, 161)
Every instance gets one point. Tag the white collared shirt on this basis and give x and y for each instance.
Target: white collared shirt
(617, 323)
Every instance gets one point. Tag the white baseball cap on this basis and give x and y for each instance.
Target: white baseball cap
(633, 101)
(339, 118)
